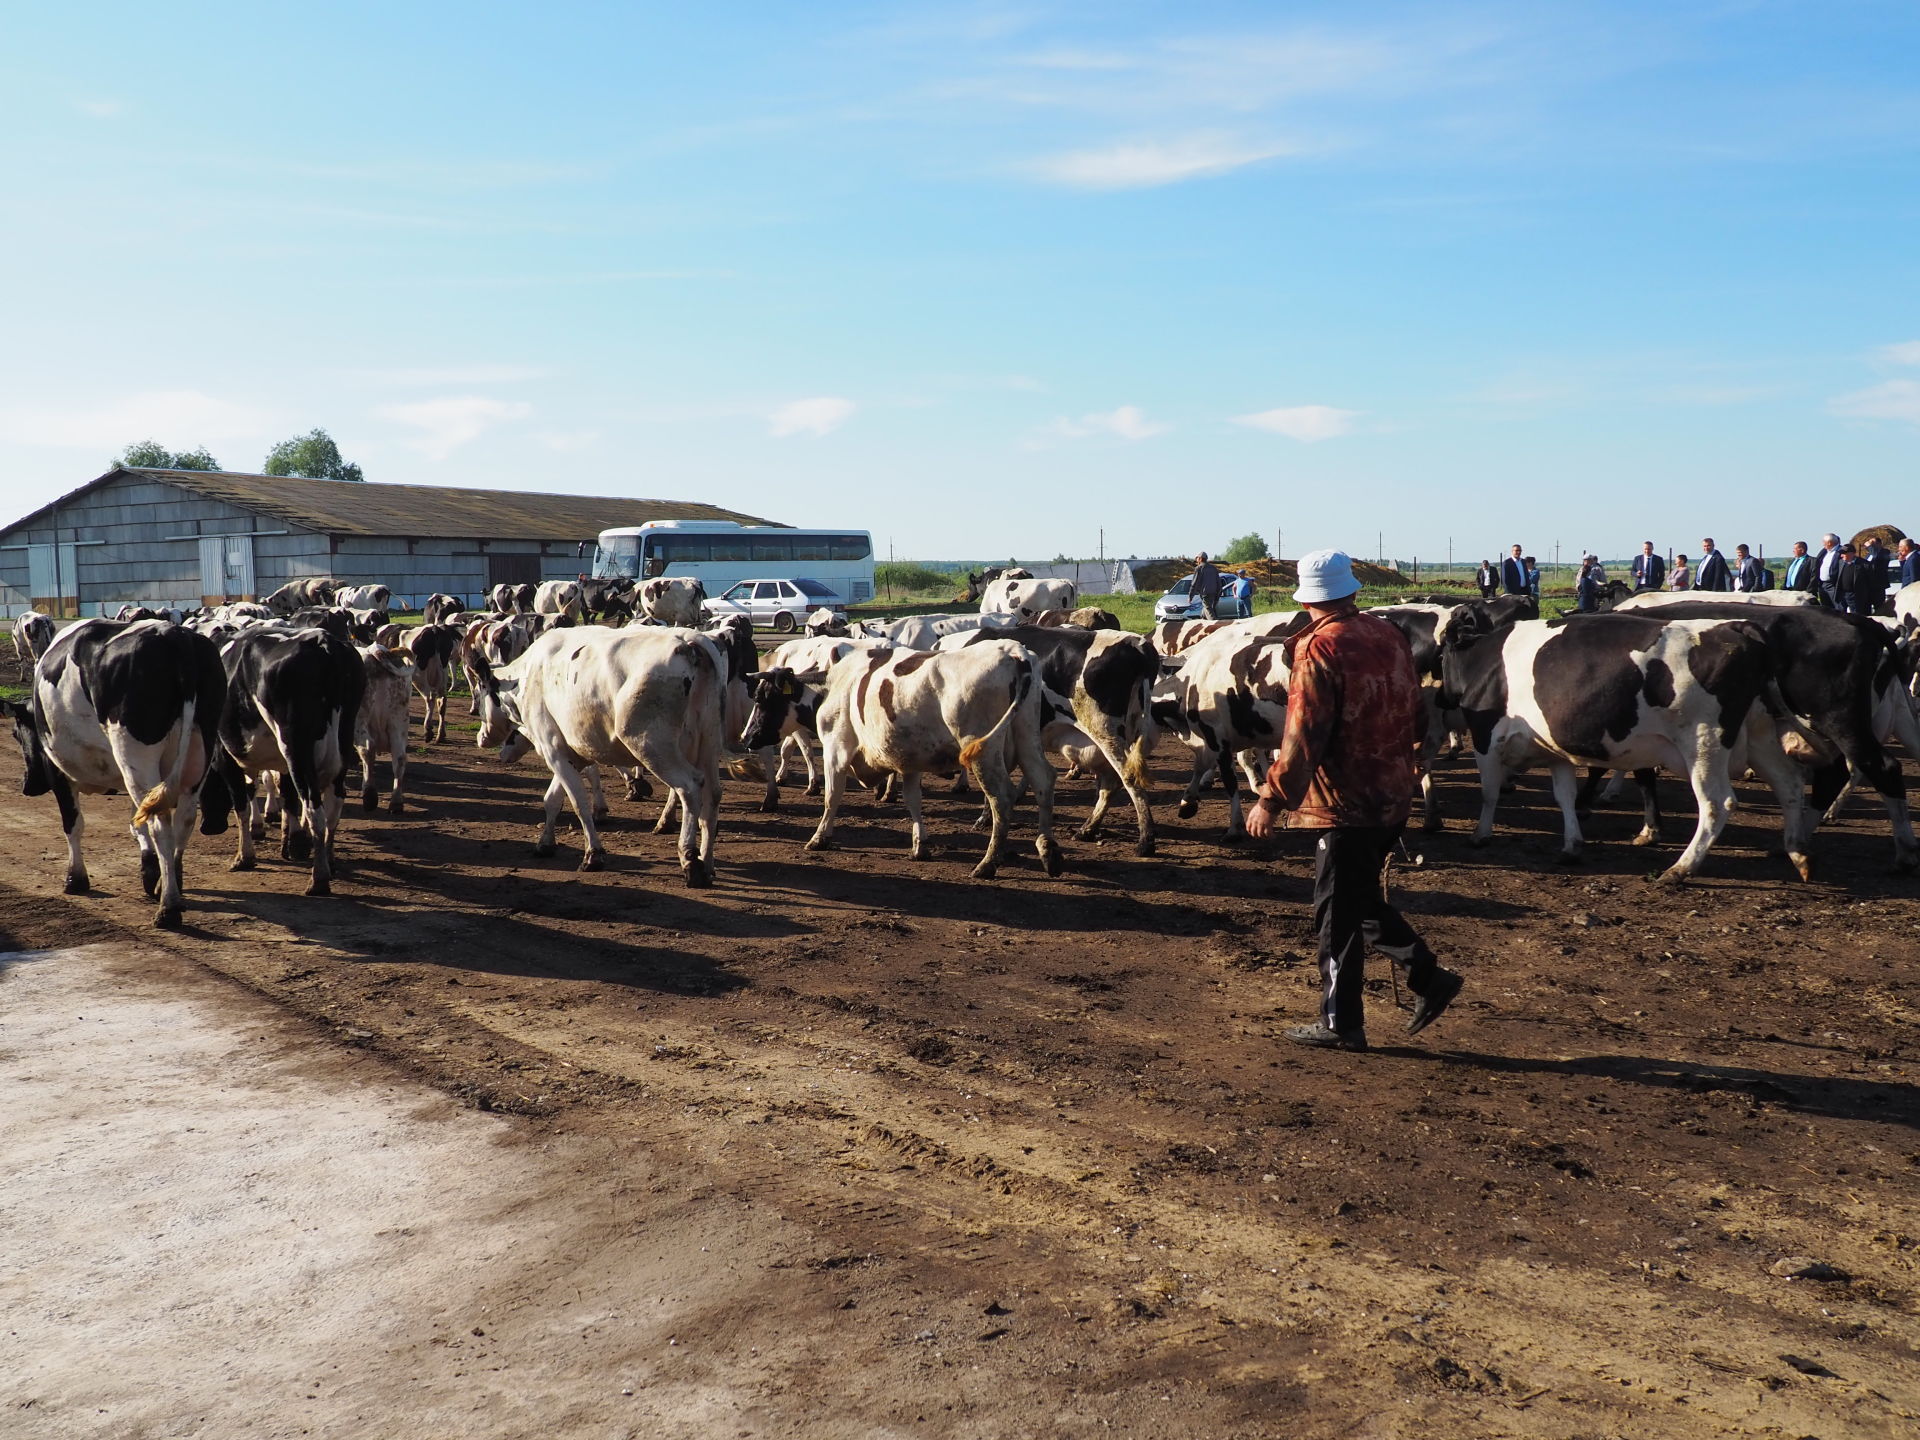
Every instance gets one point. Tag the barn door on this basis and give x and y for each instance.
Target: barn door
(513, 570)
(53, 578)
(226, 568)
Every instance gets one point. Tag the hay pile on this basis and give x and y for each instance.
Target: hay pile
(1887, 535)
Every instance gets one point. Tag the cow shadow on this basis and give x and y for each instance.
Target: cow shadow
(506, 941)
(1833, 1098)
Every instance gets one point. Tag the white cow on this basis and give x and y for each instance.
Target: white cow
(32, 634)
(646, 697)
(1027, 598)
(907, 712)
(381, 726)
(363, 597)
(1653, 599)
(669, 600)
(559, 597)
(808, 659)
(1228, 703)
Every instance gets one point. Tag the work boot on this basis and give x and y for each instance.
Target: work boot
(1429, 1007)
(1322, 1038)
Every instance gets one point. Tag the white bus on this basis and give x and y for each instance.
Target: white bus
(721, 554)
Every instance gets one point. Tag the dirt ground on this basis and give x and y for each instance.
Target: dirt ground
(1026, 1157)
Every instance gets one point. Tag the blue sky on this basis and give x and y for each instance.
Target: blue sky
(986, 278)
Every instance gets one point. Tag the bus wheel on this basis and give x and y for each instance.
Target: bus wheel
(784, 622)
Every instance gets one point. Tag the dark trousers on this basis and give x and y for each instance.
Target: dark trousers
(1210, 606)
(1352, 916)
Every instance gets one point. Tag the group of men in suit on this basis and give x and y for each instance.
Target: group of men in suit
(1843, 578)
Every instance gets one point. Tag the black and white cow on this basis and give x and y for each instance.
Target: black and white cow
(364, 597)
(647, 696)
(1625, 692)
(1843, 681)
(1228, 703)
(673, 600)
(132, 707)
(559, 597)
(32, 634)
(785, 696)
(1107, 678)
(292, 699)
(439, 608)
(433, 648)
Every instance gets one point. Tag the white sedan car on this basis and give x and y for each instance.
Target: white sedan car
(781, 604)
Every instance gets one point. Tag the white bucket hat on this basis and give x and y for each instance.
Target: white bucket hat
(1325, 575)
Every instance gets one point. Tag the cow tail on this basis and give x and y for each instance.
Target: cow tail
(970, 752)
(161, 801)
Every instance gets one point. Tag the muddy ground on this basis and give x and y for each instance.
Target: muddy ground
(1036, 1161)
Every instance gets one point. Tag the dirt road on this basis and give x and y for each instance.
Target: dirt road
(1031, 1160)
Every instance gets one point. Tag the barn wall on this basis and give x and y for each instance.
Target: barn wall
(137, 540)
(416, 568)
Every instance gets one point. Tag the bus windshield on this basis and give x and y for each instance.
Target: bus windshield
(618, 555)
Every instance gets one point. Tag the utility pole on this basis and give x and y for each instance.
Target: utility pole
(1380, 547)
(1279, 546)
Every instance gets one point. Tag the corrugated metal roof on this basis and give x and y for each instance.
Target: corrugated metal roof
(343, 507)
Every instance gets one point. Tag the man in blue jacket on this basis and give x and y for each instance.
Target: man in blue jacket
(1711, 573)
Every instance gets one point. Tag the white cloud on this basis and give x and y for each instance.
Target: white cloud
(819, 415)
(1306, 423)
(566, 442)
(101, 109)
(1894, 400)
(1136, 166)
(1127, 423)
(173, 417)
(451, 421)
(455, 375)
(1905, 353)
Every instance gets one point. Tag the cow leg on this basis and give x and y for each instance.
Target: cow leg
(1648, 781)
(601, 814)
(1566, 789)
(671, 806)
(74, 826)
(1203, 764)
(773, 764)
(568, 781)
(1493, 776)
(1228, 768)
(170, 840)
(1105, 782)
(1713, 789)
(296, 825)
(1033, 765)
(917, 825)
(990, 774)
(397, 758)
(1767, 756)
(835, 770)
(369, 798)
(638, 786)
(323, 823)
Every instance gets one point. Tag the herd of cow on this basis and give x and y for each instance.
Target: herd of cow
(237, 713)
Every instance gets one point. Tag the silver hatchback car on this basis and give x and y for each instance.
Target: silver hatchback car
(782, 605)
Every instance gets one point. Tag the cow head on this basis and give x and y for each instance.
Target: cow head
(777, 694)
(497, 698)
(35, 781)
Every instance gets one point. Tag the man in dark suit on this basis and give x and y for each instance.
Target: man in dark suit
(1850, 579)
(1800, 569)
(1827, 570)
(1749, 575)
(1870, 586)
(1648, 568)
(1909, 558)
(1488, 580)
(1880, 560)
(1711, 573)
(1513, 573)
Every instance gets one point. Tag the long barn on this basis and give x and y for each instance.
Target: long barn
(190, 537)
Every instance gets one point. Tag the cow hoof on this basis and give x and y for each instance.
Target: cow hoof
(1086, 832)
(1906, 861)
(150, 875)
(1433, 824)
(1145, 847)
(299, 846)
(1569, 857)
(769, 805)
(167, 919)
(78, 885)
(819, 844)
(639, 790)
(1673, 876)
(1646, 837)
(812, 790)
(1480, 842)
(1233, 837)
(1053, 860)
(241, 865)
(369, 803)
(1188, 809)
(320, 887)
(1802, 866)
(396, 806)
(600, 817)
(984, 871)
(699, 875)
(543, 850)
(920, 852)
(593, 860)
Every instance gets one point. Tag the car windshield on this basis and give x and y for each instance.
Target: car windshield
(815, 588)
(1182, 587)
(739, 592)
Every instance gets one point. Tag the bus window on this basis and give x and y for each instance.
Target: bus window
(730, 551)
(849, 547)
(812, 547)
(619, 556)
(777, 551)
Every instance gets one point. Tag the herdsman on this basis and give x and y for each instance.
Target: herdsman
(1346, 768)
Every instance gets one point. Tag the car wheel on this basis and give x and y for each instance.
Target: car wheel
(784, 622)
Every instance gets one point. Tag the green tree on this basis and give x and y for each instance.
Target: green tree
(149, 455)
(1243, 549)
(313, 455)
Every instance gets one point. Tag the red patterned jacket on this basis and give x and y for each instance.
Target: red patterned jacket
(1355, 723)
